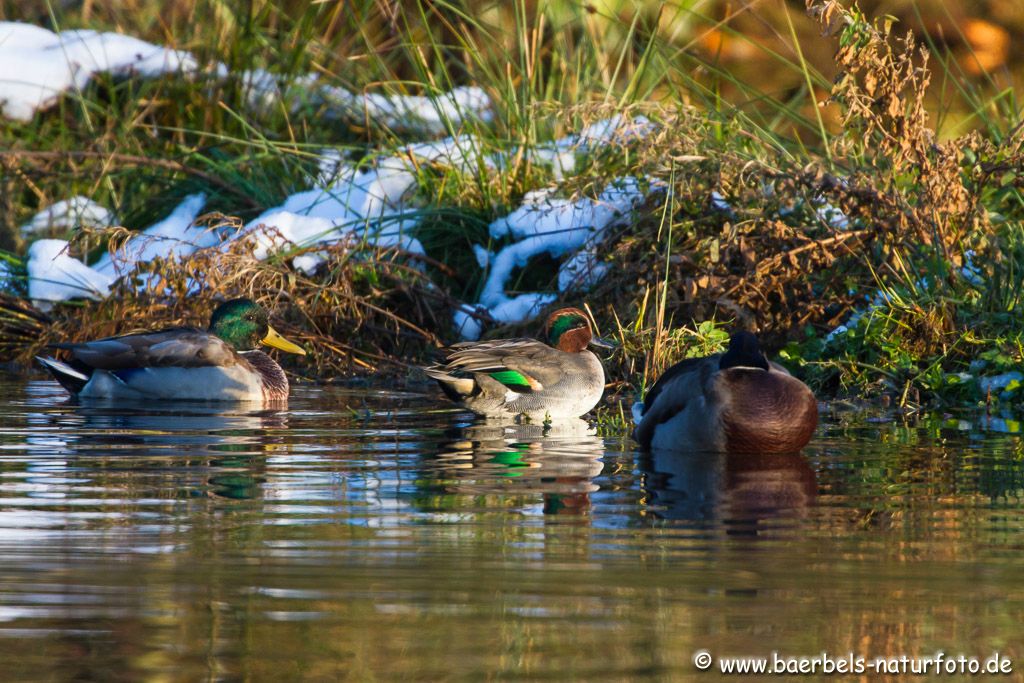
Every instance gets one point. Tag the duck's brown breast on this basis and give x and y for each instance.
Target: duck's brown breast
(765, 411)
(275, 382)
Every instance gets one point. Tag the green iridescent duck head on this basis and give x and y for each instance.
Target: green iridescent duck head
(244, 325)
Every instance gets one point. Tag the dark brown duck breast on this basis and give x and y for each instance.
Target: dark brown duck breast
(765, 411)
(736, 402)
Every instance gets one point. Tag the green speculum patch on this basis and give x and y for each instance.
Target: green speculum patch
(511, 379)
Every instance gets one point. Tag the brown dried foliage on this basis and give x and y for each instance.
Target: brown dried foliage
(881, 89)
(770, 262)
(364, 310)
(764, 272)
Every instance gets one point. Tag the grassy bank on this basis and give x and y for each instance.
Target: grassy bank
(775, 213)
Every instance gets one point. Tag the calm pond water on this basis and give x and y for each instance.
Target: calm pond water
(380, 537)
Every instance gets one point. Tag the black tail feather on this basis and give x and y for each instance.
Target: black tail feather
(71, 378)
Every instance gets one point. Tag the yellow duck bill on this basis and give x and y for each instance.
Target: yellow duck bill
(278, 342)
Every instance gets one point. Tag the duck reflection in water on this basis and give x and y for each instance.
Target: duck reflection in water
(558, 461)
(737, 489)
(227, 444)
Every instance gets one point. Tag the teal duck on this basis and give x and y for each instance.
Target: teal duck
(507, 378)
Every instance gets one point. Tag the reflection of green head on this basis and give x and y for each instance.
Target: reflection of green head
(242, 323)
(568, 329)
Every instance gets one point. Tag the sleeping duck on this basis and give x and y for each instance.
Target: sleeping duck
(735, 402)
(221, 363)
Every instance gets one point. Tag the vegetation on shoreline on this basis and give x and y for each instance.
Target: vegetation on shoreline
(777, 215)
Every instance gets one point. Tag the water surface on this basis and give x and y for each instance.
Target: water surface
(384, 536)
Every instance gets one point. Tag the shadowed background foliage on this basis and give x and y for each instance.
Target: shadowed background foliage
(754, 102)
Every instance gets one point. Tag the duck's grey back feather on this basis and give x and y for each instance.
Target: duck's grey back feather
(532, 358)
(674, 393)
(183, 347)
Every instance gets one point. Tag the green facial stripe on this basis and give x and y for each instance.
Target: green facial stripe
(563, 324)
(511, 378)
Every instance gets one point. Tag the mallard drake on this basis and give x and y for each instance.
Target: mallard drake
(506, 378)
(735, 402)
(221, 363)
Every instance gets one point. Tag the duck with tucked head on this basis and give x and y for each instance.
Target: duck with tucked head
(221, 363)
(735, 402)
(506, 378)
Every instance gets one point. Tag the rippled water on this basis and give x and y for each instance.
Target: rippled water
(381, 537)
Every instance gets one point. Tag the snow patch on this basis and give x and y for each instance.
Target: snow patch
(616, 130)
(6, 276)
(37, 66)
(278, 229)
(55, 276)
(969, 271)
(877, 302)
(172, 237)
(435, 113)
(832, 216)
(581, 271)
(68, 214)
(466, 324)
(483, 256)
(521, 308)
(557, 226)
(308, 263)
(461, 152)
(368, 203)
(719, 203)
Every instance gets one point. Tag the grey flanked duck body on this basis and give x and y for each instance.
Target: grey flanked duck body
(507, 378)
(221, 363)
(735, 402)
